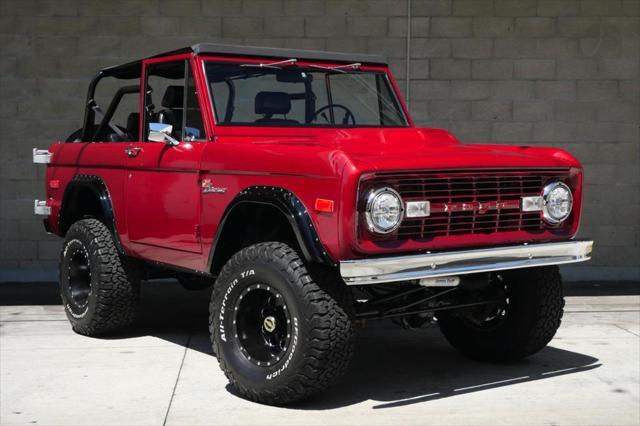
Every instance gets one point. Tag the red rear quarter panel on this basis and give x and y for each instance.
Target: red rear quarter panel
(96, 159)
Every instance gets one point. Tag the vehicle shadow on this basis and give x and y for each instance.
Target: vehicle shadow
(391, 366)
(396, 367)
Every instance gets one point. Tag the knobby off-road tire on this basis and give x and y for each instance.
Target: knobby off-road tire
(314, 317)
(532, 318)
(100, 293)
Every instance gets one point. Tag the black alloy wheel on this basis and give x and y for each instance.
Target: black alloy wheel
(79, 271)
(490, 316)
(262, 324)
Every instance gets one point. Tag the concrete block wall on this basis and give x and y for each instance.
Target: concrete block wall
(540, 72)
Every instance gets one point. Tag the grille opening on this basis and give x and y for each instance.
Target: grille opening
(492, 200)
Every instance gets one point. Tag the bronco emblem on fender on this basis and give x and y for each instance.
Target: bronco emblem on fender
(208, 188)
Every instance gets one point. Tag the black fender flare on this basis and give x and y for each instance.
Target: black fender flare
(99, 189)
(295, 212)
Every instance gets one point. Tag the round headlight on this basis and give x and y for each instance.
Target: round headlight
(384, 210)
(558, 202)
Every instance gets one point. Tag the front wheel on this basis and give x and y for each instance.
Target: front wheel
(279, 334)
(524, 319)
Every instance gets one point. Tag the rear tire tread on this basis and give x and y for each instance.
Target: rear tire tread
(529, 331)
(118, 292)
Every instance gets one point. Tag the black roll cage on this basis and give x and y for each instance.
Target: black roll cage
(106, 119)
(89, 113)
(125, 72)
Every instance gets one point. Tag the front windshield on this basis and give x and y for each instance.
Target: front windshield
(246, 94)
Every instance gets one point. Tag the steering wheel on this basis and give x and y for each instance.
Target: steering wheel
(348, 115)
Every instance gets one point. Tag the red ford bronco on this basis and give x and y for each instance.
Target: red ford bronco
(296, 184)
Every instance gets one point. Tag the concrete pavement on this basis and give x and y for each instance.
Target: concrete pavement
(162, 371)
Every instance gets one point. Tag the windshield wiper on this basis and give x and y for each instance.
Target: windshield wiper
(278, 64)
(339, 68)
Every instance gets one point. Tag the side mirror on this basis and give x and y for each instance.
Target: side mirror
(161, 132)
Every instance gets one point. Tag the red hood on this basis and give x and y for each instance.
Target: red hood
(414, 148)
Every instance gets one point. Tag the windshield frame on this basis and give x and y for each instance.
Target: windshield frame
(318, 65)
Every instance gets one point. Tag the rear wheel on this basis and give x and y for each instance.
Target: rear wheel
(280, 335)
(524, 319)
(99, 293)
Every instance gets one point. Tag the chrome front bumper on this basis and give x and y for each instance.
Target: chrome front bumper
(431, 265)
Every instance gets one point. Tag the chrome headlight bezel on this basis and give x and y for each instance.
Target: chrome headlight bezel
(371, 199)
(546, 214)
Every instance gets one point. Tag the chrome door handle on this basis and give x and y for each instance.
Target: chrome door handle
(133, 152)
